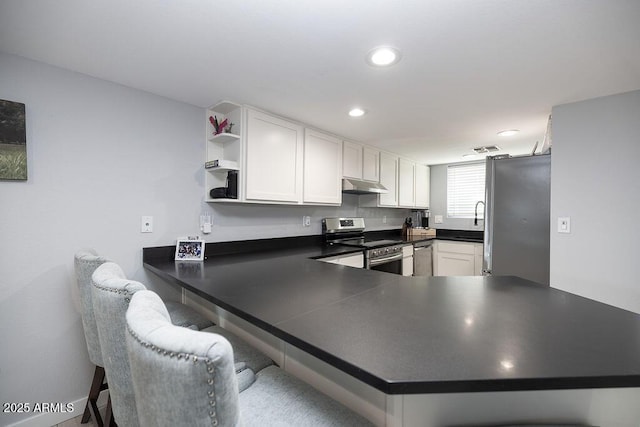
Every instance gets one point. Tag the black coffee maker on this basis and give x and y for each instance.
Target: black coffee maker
(425, 218)
(420, 218)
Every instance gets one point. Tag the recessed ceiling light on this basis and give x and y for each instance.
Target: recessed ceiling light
(383, 56)
(509, 132)
(357, 112)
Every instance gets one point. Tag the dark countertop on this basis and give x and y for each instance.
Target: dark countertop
(407, 335)
(471, 236)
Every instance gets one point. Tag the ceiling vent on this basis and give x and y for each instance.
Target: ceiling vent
(486, 149)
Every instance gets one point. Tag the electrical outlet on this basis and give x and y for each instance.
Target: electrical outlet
(306, 221)
(384, 219)
(437, 219)
(146, 224)
(564, 224)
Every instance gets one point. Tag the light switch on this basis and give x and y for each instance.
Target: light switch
(437, 219)
(564, 224)
(146, 224)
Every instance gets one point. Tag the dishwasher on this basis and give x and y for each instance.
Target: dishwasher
(423, 258)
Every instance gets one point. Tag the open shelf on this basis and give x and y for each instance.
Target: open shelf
(224, 147)
(223, 169)
(210, 200)
(224, 137)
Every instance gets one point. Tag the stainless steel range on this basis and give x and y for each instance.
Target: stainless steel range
(379, 254)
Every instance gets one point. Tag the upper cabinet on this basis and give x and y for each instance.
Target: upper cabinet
(253, 156)
(406, 184)
(352, 160)
(322, 168)
(389, 179)
(422, 186)
(360, 162)
(370, 164)
(274, 158)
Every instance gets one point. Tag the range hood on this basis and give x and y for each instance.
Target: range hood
(356, 186)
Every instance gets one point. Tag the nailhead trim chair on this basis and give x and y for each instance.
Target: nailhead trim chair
(86, 261)
(111, 293)
(187, 379)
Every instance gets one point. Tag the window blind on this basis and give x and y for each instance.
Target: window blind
(465, 187)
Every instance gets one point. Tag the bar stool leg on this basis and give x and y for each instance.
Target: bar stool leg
(97, 385)
(108, 416)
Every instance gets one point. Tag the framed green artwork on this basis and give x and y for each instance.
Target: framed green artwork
(13, 141)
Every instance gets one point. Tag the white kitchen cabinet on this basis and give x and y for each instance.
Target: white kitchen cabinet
(406, 183)
(389, 179)
(352, 260)
(278, 161)
(352, 160)
(274, 158)
(455, 258)
(322, 168)
(360, 161)
(370, 164)
(422, 183)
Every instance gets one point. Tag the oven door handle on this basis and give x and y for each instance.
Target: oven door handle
(378, 261)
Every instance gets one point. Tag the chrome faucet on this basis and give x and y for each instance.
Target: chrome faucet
(475, 217)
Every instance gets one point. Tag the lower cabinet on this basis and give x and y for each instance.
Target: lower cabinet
(457, 259)
(352, 260)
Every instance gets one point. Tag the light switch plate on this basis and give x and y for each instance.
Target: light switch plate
(437, 219)
(564, 224)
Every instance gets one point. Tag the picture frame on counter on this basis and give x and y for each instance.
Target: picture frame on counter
(188, 249)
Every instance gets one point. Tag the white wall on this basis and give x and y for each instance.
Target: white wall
(595, 180)
(101, 155)
(438, 204)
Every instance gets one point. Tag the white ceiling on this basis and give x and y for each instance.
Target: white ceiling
(469, 67)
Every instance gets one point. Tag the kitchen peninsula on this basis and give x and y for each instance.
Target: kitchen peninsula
(427, 351)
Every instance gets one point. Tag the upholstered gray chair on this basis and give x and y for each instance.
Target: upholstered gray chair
(111, 293)
(187, 379)
(86, 261)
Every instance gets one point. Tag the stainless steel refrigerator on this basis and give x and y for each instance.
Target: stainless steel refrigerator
(517, 217)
